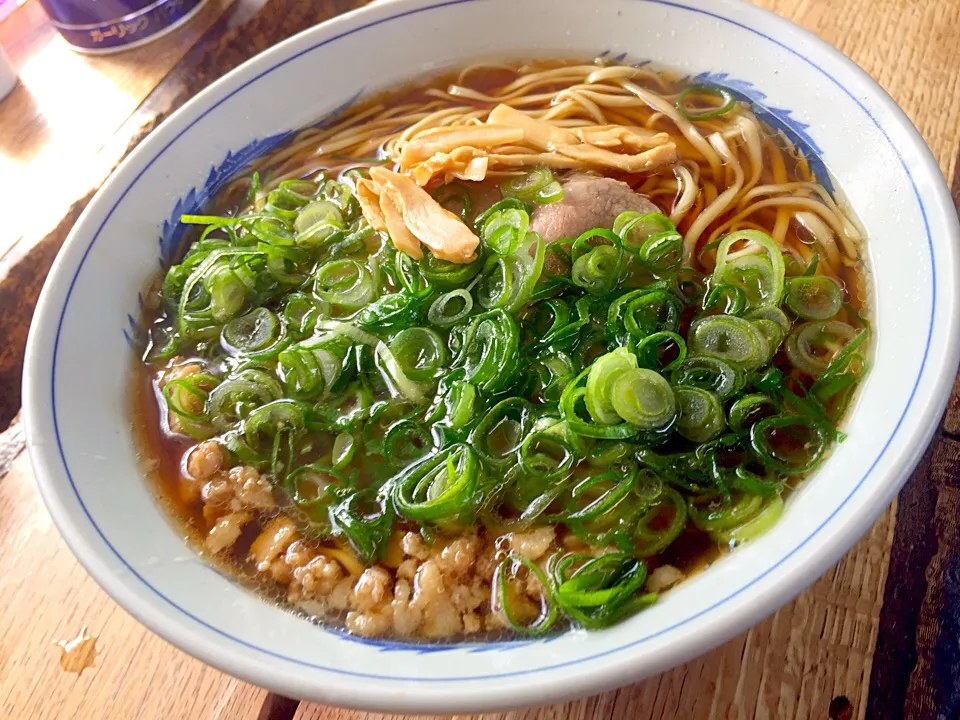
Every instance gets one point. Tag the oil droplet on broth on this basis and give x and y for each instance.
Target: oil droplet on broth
(78, 654)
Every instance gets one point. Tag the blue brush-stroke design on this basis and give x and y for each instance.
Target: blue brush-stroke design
(136, 327)
(173, 234)
(778, 119)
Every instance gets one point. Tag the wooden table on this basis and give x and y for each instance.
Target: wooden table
(878, 636)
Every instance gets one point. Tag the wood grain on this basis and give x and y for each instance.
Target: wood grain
(48, 597)
(914, 544)
(934, 688)
(790, 666)
(65, 108)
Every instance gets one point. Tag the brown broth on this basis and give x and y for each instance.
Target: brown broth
(164, 453)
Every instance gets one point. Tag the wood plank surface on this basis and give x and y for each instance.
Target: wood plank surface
(812, 659)
(65, 107)
(934, 687)
(48, 597)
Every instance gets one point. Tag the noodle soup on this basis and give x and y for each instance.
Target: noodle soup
(507, 351)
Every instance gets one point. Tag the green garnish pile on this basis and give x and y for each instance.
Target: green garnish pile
(594, 384)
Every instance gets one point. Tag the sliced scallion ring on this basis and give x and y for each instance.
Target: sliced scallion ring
(748, 410)
(531, 186)
(813, 345)
(700, 415)
(345, 283)
(788, 444)
(644, 398)
(709, 373)
(725, 102)
(257, 334)
(502, 599)
(813, 298)
(734, 340)
(601, 380)
(761, 522)
(751, 261)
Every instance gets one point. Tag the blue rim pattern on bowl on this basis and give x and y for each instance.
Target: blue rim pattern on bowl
(465, 647)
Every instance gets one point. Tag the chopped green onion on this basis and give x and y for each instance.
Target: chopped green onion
(420, 351)
(551, 193)
(366, 520)
(444, 274)
(397, 311)
(751, 529)
(507, 281)
(724, 97)
(273, 418)
(734, 340)
(439, 488)
(237, 396)
(505, 230)
(571, 401)
(497, 438)
(688, 285)
(316, 222)
(723, 514)
(301, 313)
(709, 373)
(345, 283)
(396, 377)
(406, 441)
(749, 409)
(450, 308)
(546, 455)
(603, 374)
(651, 237)
(813, 298)
(411, 276)
(502, 593)
(538, 185)
(756, 268)
(788, 444)
(644, 398)
(773, 314)
(460, 403)
(344, 448)
(732, 298)
(700, 414)
(258, 334)
(813, 345)
(497, 207)
(661, 524)
(652, 350)
(601, 509)
(489, 354)
(597, 592)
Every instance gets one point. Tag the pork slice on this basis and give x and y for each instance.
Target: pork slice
(589, 201)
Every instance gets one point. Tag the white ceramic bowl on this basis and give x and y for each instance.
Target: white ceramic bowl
(78, 359)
